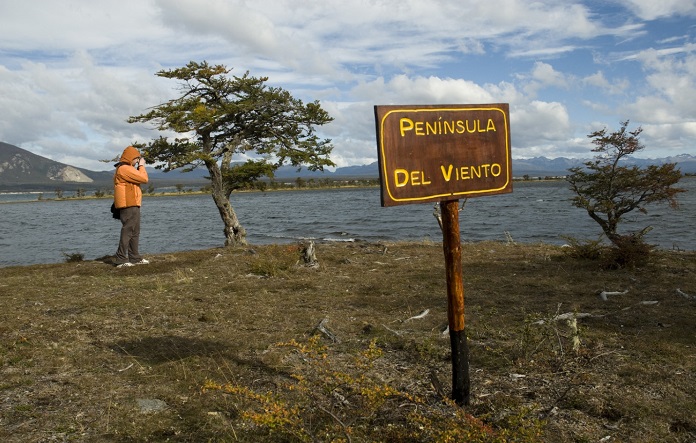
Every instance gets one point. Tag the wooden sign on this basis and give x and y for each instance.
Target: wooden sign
(443, 152)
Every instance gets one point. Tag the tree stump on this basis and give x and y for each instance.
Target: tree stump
(309, 256)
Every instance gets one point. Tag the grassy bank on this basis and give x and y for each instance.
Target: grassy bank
(217, 345)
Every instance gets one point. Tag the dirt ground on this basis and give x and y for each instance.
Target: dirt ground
(560, 349)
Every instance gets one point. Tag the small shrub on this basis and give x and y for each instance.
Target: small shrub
(275, 261)
(183, 276)
(333, 397)
(626, 251)
(630, 251)
(73, 257)
(584, 249)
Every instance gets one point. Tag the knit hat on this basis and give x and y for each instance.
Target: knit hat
(129, 154)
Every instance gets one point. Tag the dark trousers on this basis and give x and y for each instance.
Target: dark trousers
(130, 235)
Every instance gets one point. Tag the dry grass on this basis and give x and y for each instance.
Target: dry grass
(86, 348)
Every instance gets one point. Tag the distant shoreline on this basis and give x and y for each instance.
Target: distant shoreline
(177, 194)
(288, 189)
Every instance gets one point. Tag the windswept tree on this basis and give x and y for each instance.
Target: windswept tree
(608, 188)
(218, 116)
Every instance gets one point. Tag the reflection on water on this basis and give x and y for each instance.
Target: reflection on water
(41, 231)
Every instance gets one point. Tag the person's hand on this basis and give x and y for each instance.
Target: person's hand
(141, 163)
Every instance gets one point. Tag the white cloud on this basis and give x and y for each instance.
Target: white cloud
(538, 126)
(651, 9)
(81, 108)
(544, 52)
(598, 80)
(54, 27)
(543, 76)
(72, 72)
(666, 108)
(668, 135)
(354, 122)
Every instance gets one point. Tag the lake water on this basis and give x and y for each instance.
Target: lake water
(43, 231)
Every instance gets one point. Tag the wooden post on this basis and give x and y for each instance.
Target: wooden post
(455, 301)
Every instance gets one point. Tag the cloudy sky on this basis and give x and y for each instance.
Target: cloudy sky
(72, 72)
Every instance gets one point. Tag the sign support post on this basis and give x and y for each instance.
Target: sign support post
(455, 302)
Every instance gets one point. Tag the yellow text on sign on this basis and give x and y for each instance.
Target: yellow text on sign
(444, 127)
(471, 172)
(402, 177)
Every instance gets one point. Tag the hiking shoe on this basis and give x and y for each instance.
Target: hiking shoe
(125, 265)
(142, 261)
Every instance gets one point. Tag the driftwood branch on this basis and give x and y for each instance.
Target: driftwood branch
(126, 368)
(338, 420)
(604, 294)
(391, 330)
(323, 330)
(685, 295)
(437, 214)
(568, 316)
(419, 316)
(437, 385)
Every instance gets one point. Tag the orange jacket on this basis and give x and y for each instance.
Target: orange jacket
(127, 180)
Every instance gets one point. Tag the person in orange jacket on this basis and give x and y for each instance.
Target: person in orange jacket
(130, 174)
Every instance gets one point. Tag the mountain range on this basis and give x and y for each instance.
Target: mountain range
(21, 170)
